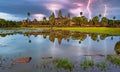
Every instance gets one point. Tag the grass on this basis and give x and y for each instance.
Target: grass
(64, 63)
(0, 62)
(114, 59)
(87, 63)
(102, 65)
(90, 63)
(104, 30)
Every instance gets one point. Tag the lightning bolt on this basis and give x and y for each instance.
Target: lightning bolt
(105, 11)
(88, 8)
(53, 11)
(53, 7)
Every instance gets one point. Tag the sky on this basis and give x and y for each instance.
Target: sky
(17, 9)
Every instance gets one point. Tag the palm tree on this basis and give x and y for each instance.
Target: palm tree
(114, 19)
(100, 16)
(81, 13)
(28, 14)
(52, 19)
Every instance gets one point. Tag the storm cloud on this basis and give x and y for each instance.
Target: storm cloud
(17, 9)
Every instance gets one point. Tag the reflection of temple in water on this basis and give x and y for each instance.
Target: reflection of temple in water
(60, 35)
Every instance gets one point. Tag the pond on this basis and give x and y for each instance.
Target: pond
(35, 50)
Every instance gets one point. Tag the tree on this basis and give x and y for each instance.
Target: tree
(90, 22)
(100, 17)
(52, 19)
(104, 21)
(44, 20)
(35, 21)
(114, 20)
(83, 20)
(110, 23)
(2, 22)
(81, 13)
(76, 20)
(28, 14)
(95, 20)
(60, 14)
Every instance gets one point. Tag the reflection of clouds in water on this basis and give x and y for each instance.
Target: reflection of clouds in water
(39, 39)
(2, 45)
(44, 47)
(87, 46)
(66, 50)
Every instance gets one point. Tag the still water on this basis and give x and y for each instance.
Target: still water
(50, 43)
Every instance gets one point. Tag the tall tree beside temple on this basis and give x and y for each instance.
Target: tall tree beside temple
(44, 20)
(52, 19)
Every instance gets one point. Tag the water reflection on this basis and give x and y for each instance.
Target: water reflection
(86, 43)
(52, 44)
(60, 35)
(117, 47)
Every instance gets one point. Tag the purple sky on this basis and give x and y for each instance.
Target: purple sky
(17, 9)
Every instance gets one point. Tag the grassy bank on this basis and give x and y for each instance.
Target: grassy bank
(113, 31)
(104, 30)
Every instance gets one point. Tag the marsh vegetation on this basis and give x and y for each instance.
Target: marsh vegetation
(58, 51)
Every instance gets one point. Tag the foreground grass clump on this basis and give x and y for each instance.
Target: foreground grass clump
(102, 65)
(114, 59)
(0, 62)
(87, 63)
(64, 63)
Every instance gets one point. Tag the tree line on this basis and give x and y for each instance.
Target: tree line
(64, 21)
(7, 23)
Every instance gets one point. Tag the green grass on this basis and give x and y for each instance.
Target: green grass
(104, 30)
(102, 65)
(114, 59)
(86, 64)
(64, 63)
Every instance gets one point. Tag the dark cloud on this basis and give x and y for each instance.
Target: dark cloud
(20, 8)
